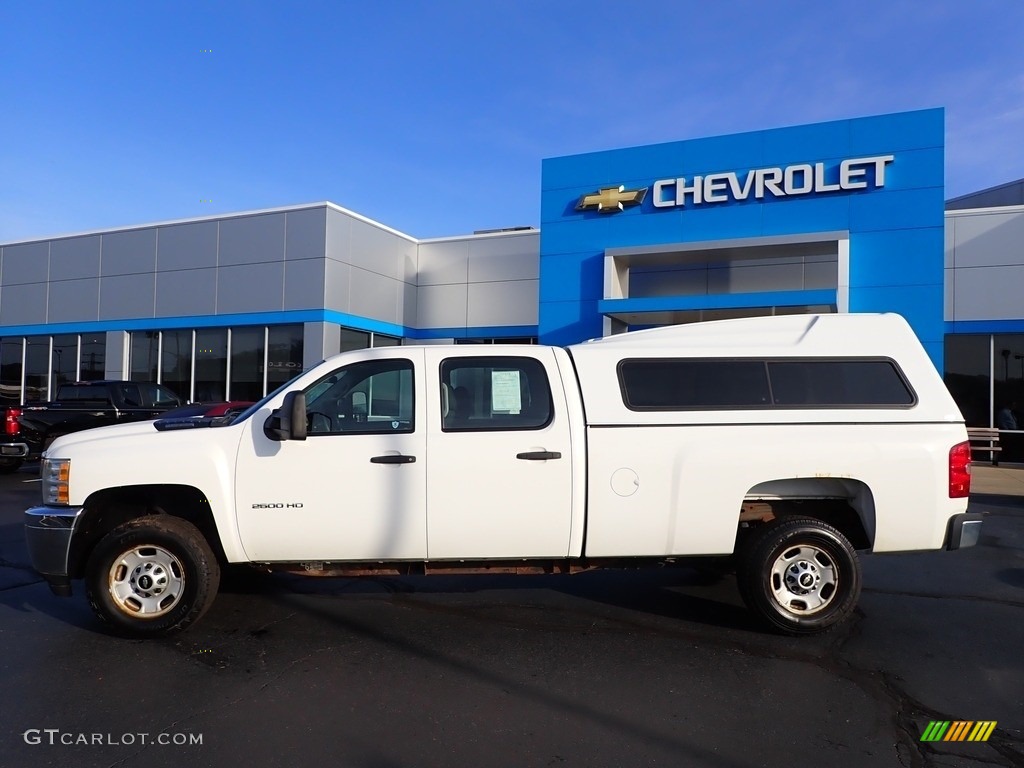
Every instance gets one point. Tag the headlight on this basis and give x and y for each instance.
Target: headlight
(56, 474)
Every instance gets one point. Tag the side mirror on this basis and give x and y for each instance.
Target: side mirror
(289, 421)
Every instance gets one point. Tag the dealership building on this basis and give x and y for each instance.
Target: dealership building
(843, 216)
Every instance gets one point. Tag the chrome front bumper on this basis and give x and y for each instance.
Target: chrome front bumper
(48, 532)
(964, 530)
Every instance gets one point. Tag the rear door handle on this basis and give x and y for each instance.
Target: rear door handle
(392, 458)
(539, 455)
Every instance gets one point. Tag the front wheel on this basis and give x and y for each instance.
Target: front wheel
(152, 576)
(799, 575)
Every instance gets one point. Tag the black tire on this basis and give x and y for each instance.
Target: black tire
(10, 466)
(151, 576)
(799, 575)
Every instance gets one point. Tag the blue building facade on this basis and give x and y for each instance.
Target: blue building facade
(837, 216)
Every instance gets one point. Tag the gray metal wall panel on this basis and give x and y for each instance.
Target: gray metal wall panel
(442, 306)
(948, 303)
(988, 293)
(74, 300)
(250, 288)
(503, 303)
(650, 282)
(337, 286)
(187, 246)
(821, 274)
(304, 283)
(444, 263)
(378, 251)
(408, 261)
(375, 296)
(127, 296)
(339, 236)
(129, 253)
(410, 297)
(515, 257)
(252, 239)
(29, 263)
(319, 341)
(306, 234)
(186, 292)
(23, 304)
(830, 257)
(781, 277)
(950, 241)
(989, 239)
(75, 257)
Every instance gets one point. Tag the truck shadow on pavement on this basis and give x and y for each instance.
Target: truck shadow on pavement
(701, 595)
(1012, 576)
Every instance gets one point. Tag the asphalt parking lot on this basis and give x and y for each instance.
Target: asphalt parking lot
(605, 669)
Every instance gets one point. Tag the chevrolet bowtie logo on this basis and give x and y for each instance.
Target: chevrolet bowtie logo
(611, 199)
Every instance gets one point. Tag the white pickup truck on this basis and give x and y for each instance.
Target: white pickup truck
(790, 442)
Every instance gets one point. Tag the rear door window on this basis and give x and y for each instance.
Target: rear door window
(494, 393)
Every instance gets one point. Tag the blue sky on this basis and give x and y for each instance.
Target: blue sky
(433, 117)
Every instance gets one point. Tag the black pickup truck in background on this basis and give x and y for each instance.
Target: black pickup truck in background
(28, 429)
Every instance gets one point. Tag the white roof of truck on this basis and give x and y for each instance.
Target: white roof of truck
(845, 334)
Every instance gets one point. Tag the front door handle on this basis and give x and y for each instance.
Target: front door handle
(392, 458)
(539, 455)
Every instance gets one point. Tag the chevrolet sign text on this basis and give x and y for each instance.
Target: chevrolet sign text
(800, 179)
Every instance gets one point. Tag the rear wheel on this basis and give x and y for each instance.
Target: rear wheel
(799, 575)
(152, 576)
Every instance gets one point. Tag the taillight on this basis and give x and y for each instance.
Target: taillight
(11, 425)
(959, 471)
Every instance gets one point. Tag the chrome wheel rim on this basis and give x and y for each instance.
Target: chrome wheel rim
(804, 579)
(147, 582)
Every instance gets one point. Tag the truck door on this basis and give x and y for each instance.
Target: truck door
(355, 488)
(500, 479)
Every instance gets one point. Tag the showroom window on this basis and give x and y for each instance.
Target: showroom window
(93, 357)
(31, 368)
(212, 364)
(145, 355)
(248, 348)
(380, 340)
(64, 368)
(985, 375)
(352, 340)
(37, 368)
(10, 371)
(511, 340)
(176, 362)
(284, 354)
(969, 377)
